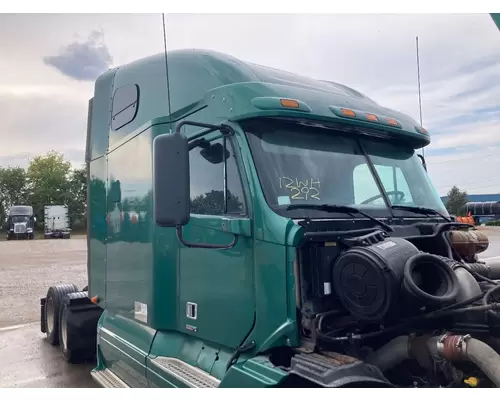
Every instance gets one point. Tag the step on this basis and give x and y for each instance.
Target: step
(191, 376)
(107, 379)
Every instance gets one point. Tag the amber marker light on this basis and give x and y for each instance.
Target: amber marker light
(347, 112)
(289, 103)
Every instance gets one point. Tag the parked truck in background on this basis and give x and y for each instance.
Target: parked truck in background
(20, 222)
(56, 222)
(250, 227)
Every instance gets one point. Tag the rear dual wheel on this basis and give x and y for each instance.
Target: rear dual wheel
(69, 355)
(53, 305)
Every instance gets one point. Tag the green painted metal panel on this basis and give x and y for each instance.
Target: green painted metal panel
(124, 345)
(103, 90)
(130, 225)
(219, 281)
(496, 19)
(97, 229)
(258, 372)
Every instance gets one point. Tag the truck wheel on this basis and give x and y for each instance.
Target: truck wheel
(67, 336)
(78, 327)
(53, 303)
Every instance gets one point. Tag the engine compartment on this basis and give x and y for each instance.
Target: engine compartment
(409, 308)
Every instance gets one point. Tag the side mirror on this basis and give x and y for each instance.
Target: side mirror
(171, 181)
(34, 219)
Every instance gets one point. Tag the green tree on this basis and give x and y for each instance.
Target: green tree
(456, 201)
(49, 181)
(13, 189)
(13, 186)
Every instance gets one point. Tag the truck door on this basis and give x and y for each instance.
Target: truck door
(217, 286)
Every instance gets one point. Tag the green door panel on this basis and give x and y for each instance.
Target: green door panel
(229, 224)
(124, 346)
(220, 282)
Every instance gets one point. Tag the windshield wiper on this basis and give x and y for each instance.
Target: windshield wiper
(341, 209)
(421, 210)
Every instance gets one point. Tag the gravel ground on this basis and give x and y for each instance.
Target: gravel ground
(28, 268)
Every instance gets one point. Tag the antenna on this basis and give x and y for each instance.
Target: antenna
(419, 94)
(166, 71)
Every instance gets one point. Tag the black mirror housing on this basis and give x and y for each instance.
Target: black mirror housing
(171, 180)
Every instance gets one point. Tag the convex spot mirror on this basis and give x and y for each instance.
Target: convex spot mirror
(215, 153)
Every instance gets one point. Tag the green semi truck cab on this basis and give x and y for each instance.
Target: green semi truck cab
(249, 227)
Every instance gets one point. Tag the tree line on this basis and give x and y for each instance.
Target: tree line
(48, 180)
(456, 201)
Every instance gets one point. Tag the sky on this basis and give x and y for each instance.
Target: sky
(52, 61)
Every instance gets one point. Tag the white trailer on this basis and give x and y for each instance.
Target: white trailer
(56, 222)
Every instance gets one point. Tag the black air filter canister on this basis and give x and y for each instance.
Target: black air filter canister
(367, 279)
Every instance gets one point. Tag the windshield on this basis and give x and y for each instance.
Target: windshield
(21, 210)
(300, 164)
(20, 218)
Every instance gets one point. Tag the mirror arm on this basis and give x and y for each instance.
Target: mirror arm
(204, 245)
(423, 161)
(209, 128)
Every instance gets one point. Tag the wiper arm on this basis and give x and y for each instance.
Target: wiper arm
(330, 208)
(421, 210)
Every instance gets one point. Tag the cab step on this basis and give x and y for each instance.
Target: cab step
(193, 377)
(107, 379)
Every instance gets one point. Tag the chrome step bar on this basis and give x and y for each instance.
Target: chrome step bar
(193, 377)
(107, 379)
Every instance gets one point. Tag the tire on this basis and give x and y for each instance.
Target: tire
(53, 303)
(69, 354)
(78, 328)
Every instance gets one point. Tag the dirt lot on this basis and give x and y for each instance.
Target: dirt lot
(28, 268)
